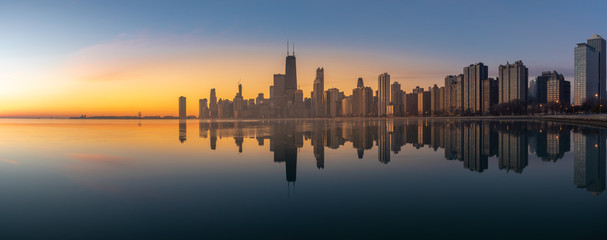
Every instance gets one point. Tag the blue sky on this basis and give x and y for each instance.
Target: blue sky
(540, 32)
(417, 42)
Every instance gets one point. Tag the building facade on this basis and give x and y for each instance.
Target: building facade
(512, 84)
(383, 93)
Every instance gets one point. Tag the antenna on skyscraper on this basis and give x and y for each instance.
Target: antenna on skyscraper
(287, 47)
(293, 49)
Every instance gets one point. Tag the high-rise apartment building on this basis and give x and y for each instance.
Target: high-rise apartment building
(558, 90)
(383, 93)
(598, 43)
(203, 109)
(489, 95)
(586, 74)
(182, 110)
(213, 103)
(512, 83)
(317, 93)
(396, 95)
(473, 75)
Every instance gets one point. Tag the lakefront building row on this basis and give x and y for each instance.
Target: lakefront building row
(471, 92)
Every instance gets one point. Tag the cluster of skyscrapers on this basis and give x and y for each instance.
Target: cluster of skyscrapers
(471, 92)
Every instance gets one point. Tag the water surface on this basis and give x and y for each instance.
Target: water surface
(345, 179)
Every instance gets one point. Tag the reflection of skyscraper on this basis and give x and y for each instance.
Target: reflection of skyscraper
(589, 160)
(474, 159)
(203, 129)
(318, 142)
(213, 134)
(182, 111)
(182, 131)
(383, 143)
(513, 153)
(282, 143)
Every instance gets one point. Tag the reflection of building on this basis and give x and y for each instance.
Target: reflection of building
(182, 131)
(474, 159)
(589, 160)
(318, 141)
(383, 143)
(282, 143)
(513, 153)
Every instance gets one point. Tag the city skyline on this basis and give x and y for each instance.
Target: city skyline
(142, 67)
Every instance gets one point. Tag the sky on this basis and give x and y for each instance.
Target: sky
(67, 58)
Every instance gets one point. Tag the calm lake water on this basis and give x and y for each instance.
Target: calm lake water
(307, 179)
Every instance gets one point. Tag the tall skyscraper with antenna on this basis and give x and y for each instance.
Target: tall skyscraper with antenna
(290, 74)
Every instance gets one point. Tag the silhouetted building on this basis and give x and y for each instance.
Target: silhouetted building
(213, 104)
(397, 99)
(423, 103)
(489, 95)
(318, 107)
(182, 110)
(203, 109)
(598, 43)
(473, 75)
(332, 101)
(410, 104)
(290, 76)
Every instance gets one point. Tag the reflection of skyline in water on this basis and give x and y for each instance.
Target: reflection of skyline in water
(471, 142)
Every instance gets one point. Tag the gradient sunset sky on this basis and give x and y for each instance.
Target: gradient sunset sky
(66, 58)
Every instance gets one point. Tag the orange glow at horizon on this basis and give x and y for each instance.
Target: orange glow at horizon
(138, 74)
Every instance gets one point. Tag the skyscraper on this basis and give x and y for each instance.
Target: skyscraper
(360, 83)
(213, 103)
(332, 102)
(279, 89)
(489, 95)
(182, 111)
(473, 75)
(541, 87)
(598, 43)
(449, 98)
(203, 109)
(317, 93)
(586, 74)
(558, 90)
(383, 94)
(290, 75)
(512, 82)
(396, 95)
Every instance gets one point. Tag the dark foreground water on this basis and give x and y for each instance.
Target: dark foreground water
(308, 179)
